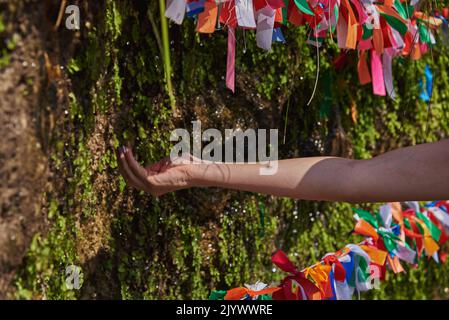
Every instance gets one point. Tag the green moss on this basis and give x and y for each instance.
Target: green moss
(184, 245)
(7, 44)
(44, 276)
(2, 24)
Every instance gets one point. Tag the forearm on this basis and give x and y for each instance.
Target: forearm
(415, 173)
(287, 181)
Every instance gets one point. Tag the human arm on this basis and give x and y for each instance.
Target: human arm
(413, 173)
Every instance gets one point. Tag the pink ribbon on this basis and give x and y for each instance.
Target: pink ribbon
(230, 66)
(377, 74)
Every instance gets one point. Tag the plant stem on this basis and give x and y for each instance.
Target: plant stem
(166, 55)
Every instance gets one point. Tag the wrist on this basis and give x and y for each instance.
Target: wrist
(200, 174)
(193, 174)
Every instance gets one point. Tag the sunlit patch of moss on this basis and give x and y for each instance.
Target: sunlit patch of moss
(44, 276)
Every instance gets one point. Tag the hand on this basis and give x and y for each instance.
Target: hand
(157, 179)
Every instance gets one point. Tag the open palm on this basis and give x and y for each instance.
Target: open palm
(159, 178)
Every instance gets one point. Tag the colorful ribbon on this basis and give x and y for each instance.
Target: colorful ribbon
(386, 29)
(391, 235)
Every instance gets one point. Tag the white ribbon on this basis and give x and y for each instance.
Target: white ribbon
(442, 216)
(265, 24)
(386, 215)
(176, 10)
(245, 13)
(388, 72)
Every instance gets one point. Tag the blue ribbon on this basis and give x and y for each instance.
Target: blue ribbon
(194, 8)
(426, 92)
(278, 36)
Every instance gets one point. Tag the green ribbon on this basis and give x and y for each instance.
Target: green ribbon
(336, 14)
(407, 223)
(365, 215)
(395, 23)
(220, 294)
(326, 102)
(423, 32)
(361, 271)
(410, 10)
(285, 12)
(303, 5)
(434, 231)
(217, 295)
(400, 9)
(367, 32)
(388, 237)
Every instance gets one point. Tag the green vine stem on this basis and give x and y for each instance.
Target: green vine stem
(166, 55)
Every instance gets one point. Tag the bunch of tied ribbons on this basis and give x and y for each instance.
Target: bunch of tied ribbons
(392, 236)
(379, 30)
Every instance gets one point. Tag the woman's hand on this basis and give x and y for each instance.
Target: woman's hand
(157, 179)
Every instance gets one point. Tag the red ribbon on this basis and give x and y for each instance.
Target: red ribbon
(228, 15)
(280, 259)
(443, 236)
(339, 270)
(414, 233)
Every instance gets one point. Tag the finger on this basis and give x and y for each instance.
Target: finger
(123, 173)
(137, 170)
(127, 174)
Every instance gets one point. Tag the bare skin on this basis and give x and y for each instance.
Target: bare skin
(414, 173)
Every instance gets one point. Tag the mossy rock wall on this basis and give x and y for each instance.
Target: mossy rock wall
(183, 245)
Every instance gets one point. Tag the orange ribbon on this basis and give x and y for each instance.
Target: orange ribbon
(240, 293)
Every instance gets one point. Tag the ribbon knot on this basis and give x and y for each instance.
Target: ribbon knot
(368, 225)
(245, 293)
(296, 286)
(339, 270)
